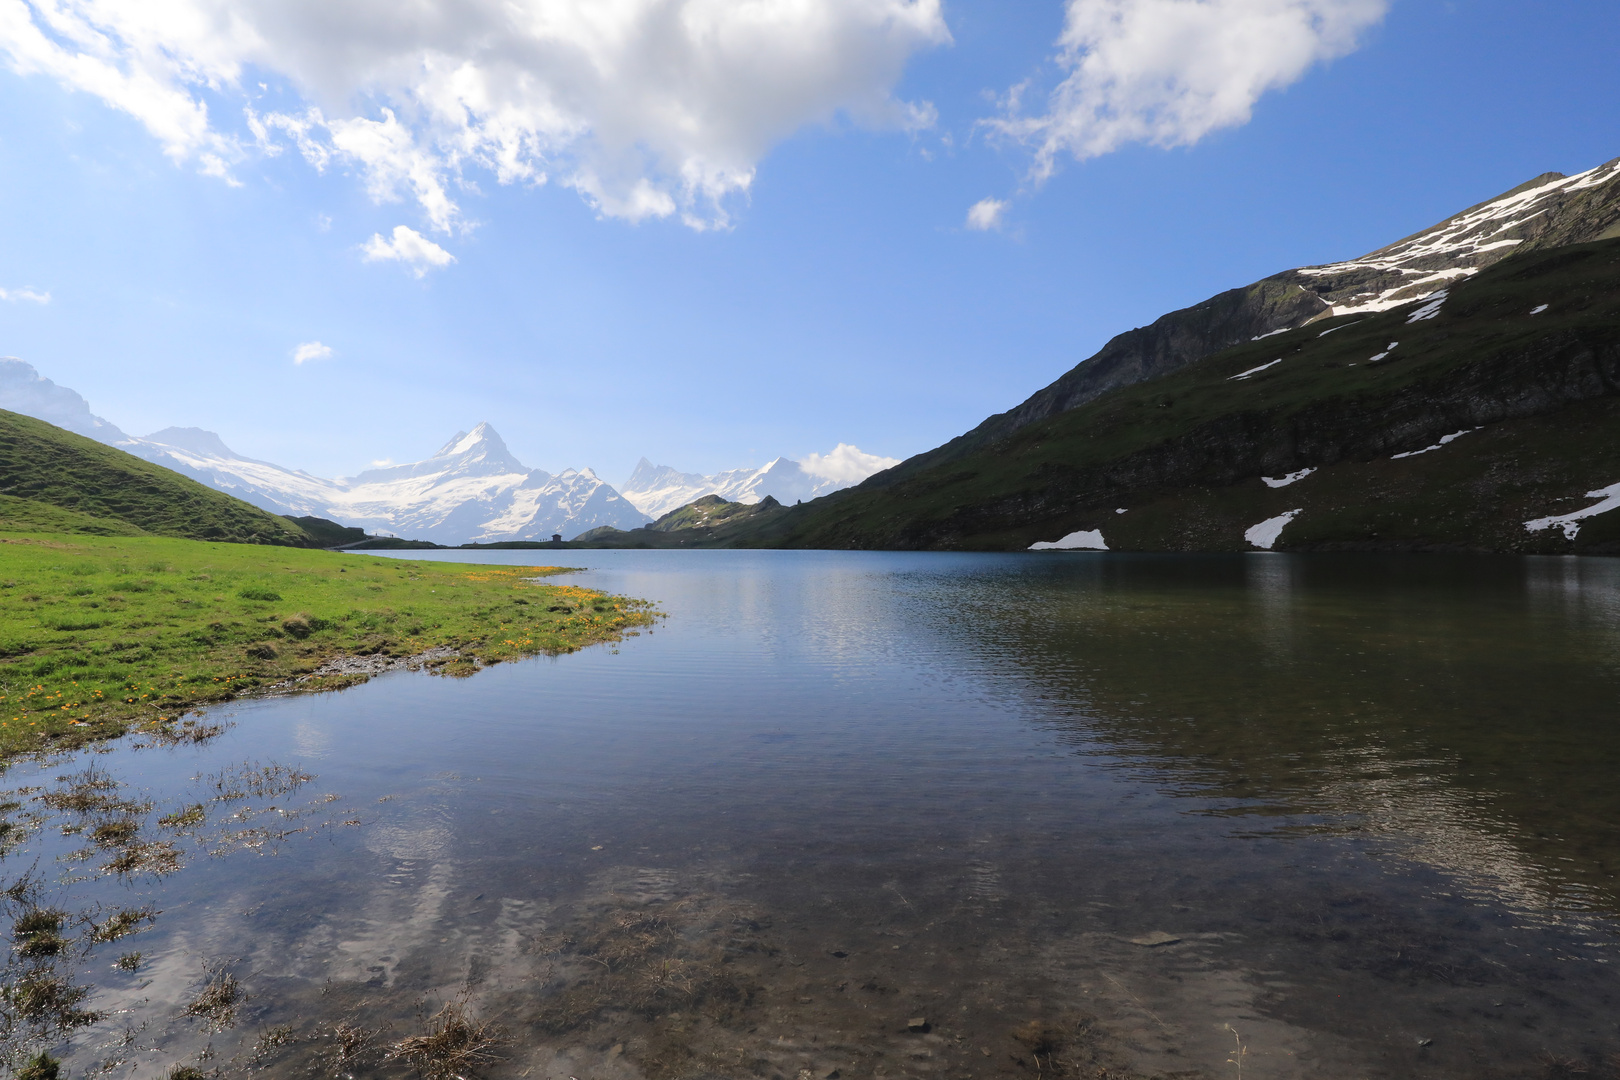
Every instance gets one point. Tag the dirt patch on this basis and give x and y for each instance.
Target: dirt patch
(360, 668)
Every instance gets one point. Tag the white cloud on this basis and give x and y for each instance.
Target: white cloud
(1169, 72)
(649, 108)
(408, 246)
(986, 214)
(846, 463)
(32, 296)
(311, 350)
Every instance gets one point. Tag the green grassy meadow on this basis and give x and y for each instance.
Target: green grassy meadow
(102, 634)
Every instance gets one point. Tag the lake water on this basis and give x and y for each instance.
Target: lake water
(933, 815)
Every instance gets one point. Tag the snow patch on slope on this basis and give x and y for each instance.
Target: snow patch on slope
(1571, 523)
(1240, 376)
(1444, 439)
(1284, 481)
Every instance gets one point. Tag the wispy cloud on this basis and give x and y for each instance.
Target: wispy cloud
(648, 108)
(31, 296)
(409, 247)
(311, 350)
(1169, 72)
(986, 214)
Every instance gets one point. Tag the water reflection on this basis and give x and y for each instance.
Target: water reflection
(1466, 707)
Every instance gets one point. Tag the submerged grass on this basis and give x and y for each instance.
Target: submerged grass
(453, 1044)
(99, 635)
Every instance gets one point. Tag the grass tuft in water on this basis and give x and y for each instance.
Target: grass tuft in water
(40, 1067)
(218, 1000)
(453, 1044)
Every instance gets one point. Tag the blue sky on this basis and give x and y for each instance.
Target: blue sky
(844, 299)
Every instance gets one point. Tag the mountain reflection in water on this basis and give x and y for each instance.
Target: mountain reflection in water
(1467, 709)
(864, 814)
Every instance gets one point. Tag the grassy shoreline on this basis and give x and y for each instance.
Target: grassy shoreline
(103, 635)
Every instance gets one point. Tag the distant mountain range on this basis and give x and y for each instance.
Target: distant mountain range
(656, 490)
(471, 489)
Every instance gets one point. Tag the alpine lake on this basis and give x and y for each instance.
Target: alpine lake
(848, 815)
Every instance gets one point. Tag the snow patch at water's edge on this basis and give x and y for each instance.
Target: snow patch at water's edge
(1265, 534)
(1076, 541)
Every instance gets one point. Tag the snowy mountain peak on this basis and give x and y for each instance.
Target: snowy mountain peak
(481, 453)
(482, 440)
(195, 440)
(650, 477)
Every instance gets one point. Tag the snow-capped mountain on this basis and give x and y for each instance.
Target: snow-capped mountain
(472, 489)
(655, 490)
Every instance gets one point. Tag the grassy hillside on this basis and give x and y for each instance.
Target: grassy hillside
(1528, 351)
(101, 633)
(41, 463)
(328, 533)
(707, 522)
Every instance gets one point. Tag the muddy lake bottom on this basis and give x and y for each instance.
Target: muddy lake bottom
(855, 814)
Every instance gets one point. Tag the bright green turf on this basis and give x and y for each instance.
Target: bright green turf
(101, 633)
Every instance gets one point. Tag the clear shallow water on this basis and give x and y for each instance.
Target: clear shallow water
(1372, 798)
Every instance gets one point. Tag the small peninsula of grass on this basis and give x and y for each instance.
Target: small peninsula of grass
(99, 635)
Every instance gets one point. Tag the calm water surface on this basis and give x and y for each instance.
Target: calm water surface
(925, 814)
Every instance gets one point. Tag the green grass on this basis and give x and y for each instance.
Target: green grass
(101, 634)
(41, 463)
(30, 515)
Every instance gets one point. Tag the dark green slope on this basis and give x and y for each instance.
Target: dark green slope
(1294, 297)
(1184, 454)
(44, 465)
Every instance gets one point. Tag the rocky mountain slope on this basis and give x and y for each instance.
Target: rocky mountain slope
(1548, 212)
(1482, 417)
(656, 490)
